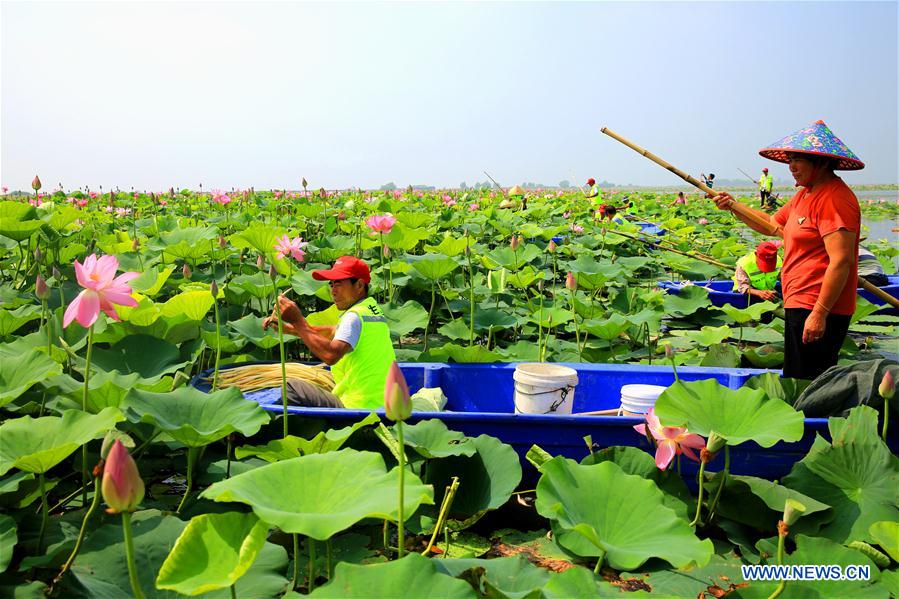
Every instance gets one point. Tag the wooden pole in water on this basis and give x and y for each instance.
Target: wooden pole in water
(498, 186)
(736, 207)
(669, 249)
(746, 211)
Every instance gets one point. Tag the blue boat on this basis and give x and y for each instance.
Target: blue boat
(480, 400)
(721, 292)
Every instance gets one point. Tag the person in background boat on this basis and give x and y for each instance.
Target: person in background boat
(358, 349)
(820, 226)
(766, 184)
(710, 180)
(680, 200)
(593, 190)
(606, 212)
(757, 273)
(870, 269)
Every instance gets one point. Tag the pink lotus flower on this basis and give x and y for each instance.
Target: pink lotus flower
(5, 189)
(381, 223)
(473, 207)
(93, 195)
(448, 201)
(703, 221)
(162, 202)
(278, 195)
(291, 247)
(81, 203)
(122, 486)
(670, 440)
(567, 215)
(575, 228)
(102, 289)
(122, 211)
(220, 197)
(397, 405)
(34, 202)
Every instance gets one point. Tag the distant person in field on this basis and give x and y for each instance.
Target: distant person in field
(820, 226)
(593, 190)
(680, 200)
(358, 349)
(870, 269)
(710, 180)
(766, 183)
(757, 273)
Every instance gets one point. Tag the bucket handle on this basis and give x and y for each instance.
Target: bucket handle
(554, 405)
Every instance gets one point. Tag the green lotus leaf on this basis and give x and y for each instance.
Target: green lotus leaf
(303, 283)
(766, 356)
(250, 327)
(737, 415)
(146, 355)
(819, 551)
(524, 277)
(17, 210)
(491, 317)
(320, 495)
(293, 447)
(404, 319)
(695, 582)
(8, 540)
(722, 355)
(37, 444)
(195, 418)
(774, 385)
(431, 439)
(19, 230)
(450, 246)
(12, 320)
(750, 313)
(193, 304)
(106, 389)
(504, 257)
(885, 533)
(405, 238)
(863, 308)
(581, 582)
(258, 285)
(608, 329)
(390, 580)
(144, 314)
(434, 266)
(20, 371)
(213, 552)
(857, 475)
(510, 577)
(639, 463)
(455, 330)
(62, 217)
(687, 301)
(706, 336)
(551, 316)
(415, 219)
(463, 355)
(101, 569)
(604, 524)
(747, 499)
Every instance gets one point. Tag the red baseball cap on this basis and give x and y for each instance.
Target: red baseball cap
(764, 170)
(591, 181)
(346, 267)
(766, 256)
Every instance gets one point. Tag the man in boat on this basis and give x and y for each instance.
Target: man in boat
(766, 184)
(358, 349)
(869, 267)
(757, 273)
(592, 189)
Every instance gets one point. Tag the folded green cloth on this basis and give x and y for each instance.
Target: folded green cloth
(428, 400)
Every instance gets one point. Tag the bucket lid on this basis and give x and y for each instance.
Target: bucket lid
(544, 370)
(644, 392)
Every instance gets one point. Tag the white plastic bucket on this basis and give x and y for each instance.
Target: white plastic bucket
(544, 388)
(636, 400)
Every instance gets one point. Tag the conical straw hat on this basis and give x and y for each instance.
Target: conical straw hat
(815, 139)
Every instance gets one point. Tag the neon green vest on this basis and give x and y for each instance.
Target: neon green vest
(361, 374)
(766, 182)
(765, 281)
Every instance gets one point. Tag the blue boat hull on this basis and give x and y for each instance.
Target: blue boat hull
(480, 401)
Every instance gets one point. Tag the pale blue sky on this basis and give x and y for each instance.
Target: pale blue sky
(237, 94)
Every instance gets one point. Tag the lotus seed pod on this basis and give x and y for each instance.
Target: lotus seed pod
(135, 244)
(793, 510)
(715, 442)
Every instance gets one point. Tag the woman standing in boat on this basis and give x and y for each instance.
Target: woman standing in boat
(820, 226)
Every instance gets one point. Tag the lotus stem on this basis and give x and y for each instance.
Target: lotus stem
(283, 366)
(218, 344)
(328, 558)
(45, 512)
(384, 539)
(80, 539)
(886, 418)
(400, 525)
(430, 314)
(311, 543)
(599, 560)
(228, 465)
(726, 471)
(470, 300)
(87, 377)
(296, 561)
(699, 498)
(129, 555)
(192, 453)
(782, 532)
(233, 588)
(448, 497)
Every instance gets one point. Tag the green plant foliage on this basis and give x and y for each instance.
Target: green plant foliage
(886, 534)
(320, 495)
(857, 475)
(8, 539)
(146, 355)
(12, 320)
(213, 552)
(394, 579)
(510, 577)
(687, 301)
(431, 439)
(758, 502)
(18, 372)
(293, 447)
(750, 313)
(37, 444)
(721, 572)
(738, 415)
(434, 266)
(606, 525)
(784, 389)
(402, 320)
(581, 582)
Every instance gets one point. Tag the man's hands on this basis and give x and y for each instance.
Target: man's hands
(814, 327)
(765, 294)
(291, 318)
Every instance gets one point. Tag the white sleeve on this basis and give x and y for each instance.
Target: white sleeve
(349, 328)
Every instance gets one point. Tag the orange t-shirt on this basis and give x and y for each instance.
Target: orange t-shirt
(806, 219)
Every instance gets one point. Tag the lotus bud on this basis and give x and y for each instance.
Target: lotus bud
(36, 183)
(185, 270)
(41, 290)
(56, 274)
(135, 244)
(214, 288)
(260, 262)
(38, 254)
(272, 272)
(552, 246)
(397, 405)
(514, 243)
(172, 192)
(223, 243)
(669, 352)
(793, 510)
(122, 486)
(386, 251)
(570, 282)
(887, 386)
(305, 184)
(341, 216)
(109, 440)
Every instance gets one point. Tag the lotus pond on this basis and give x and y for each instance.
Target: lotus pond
(236, 502)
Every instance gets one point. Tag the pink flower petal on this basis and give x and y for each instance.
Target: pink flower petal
(692, 440)
(640, 428)
(664, 454)
(689, 453)
(85, 308)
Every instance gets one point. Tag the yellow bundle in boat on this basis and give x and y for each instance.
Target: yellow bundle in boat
(253, 377)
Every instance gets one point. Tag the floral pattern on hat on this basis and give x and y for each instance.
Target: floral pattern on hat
(817, 139)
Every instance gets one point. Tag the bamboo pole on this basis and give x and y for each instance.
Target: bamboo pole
(746, 211)
(668, 249)
(498, 186)
(877, 291)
